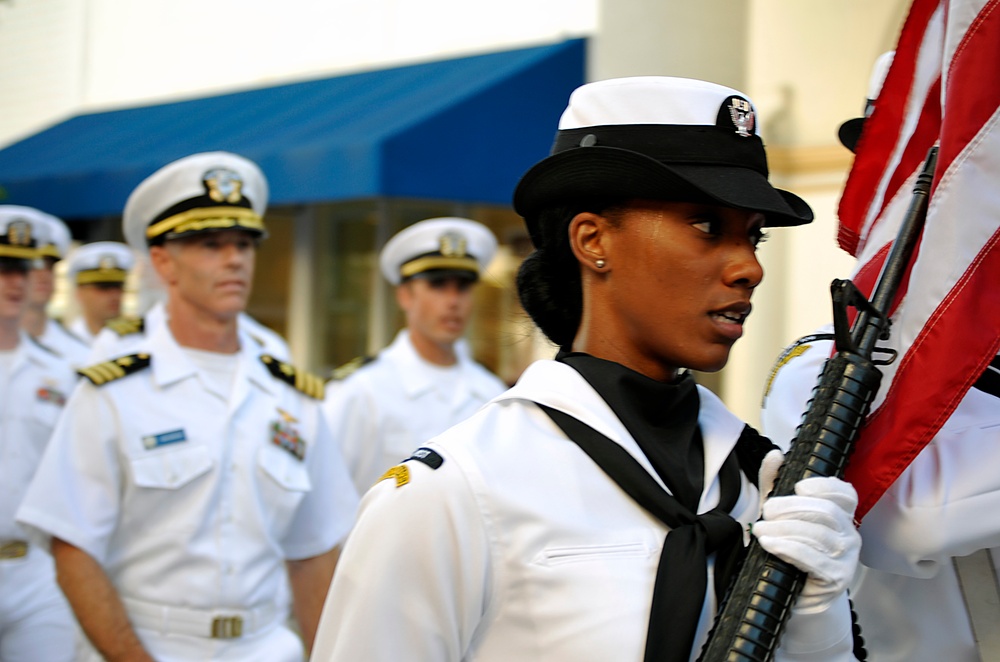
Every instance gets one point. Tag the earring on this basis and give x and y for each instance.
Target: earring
(600, 264)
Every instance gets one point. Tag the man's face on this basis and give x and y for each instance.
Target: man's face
(436, 309)
(211, 272)
(41, 282)
(100, 302)
(13, 288)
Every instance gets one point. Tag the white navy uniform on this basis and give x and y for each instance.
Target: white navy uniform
(945, 504)
(78, 327)
(65, 343)
(35, 621)
(519, 547)
(390, 406)
(192, 502)
(113, 340)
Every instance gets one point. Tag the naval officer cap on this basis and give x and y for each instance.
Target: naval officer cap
(438, 248)
(18, 247)
(52, 237)
(101, 262)
(662, 138)
(203, 192)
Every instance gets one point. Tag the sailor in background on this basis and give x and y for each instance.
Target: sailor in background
(53, 239)
(425, 381)
(98, 272)
(927, 588)
(35, 621)
(190, 483)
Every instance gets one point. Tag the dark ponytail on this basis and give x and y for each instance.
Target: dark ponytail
(548, 281)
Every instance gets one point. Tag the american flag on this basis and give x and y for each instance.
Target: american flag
(943, 88)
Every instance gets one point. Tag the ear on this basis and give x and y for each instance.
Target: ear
(588, 238)
(404, 295)
(163, 263)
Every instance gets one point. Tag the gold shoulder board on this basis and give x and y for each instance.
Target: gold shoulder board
(126, 326)
(304, 381)
(109, 371)
(349, 368)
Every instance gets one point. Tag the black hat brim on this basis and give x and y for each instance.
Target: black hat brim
(599, 171)
(850, 131)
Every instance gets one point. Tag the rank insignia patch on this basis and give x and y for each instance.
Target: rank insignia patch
(152, 441)
(286, 437)
(399, 472)
(49, 394)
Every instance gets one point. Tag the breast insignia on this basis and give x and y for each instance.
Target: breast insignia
(303, 381)
(109, 371)
(349, 368)
(126, 326)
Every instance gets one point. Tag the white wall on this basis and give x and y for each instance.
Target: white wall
(58, 57)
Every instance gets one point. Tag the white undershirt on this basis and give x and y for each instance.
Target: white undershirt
(217, 371)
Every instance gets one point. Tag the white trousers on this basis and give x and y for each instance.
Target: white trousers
(36, 622)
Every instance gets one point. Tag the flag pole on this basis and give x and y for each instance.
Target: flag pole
(759, 601)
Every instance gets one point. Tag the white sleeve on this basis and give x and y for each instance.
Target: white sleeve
(326, 513)
(789, 390)
(353, 418)
(947, 501)
(412, 582)
(76, 492)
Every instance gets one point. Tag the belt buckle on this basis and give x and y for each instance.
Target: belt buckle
(13, 549)
(227, 627)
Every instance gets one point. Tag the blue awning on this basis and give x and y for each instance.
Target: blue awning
(463, 129)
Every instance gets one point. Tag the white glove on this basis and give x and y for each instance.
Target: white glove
(814, 531)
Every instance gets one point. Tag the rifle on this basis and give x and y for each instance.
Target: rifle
(759, 601)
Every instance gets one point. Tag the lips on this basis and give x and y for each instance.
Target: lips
(729, 320)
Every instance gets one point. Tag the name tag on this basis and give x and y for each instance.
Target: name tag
(156, 440)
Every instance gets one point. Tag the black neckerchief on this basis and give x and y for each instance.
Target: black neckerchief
(662, 417)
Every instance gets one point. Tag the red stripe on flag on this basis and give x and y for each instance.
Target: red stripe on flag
(973, 94)
(882, 130)
(932, 378)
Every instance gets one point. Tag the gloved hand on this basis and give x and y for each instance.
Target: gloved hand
(813, 530)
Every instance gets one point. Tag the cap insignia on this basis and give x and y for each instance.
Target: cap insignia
(19, 233)
(740, 114)
(452, 245)
(223, 185)
(107, 262)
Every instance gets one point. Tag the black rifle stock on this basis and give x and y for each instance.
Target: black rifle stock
(760, 598)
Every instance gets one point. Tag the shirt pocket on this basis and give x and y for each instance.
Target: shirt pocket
(284, 482)
(555, 556)
(171, 469)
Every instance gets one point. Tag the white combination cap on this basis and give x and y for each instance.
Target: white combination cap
(199, 193)
(18, 237)
(52, 236)
(438, 248)
(100, 262)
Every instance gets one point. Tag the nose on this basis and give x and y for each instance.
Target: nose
(744, 269)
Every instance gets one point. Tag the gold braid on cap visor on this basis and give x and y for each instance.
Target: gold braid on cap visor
(91, 276)
(22, 252)
(429, 262)
(50, 250)
(207, 218)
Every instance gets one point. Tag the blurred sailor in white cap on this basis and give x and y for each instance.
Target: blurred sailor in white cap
(35, 621)
(53, 239)
(98, 272)
(425, 381)
(192, 481)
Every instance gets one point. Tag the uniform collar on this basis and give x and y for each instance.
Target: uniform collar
(171, 364)
(561, 387)
(416, 374)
